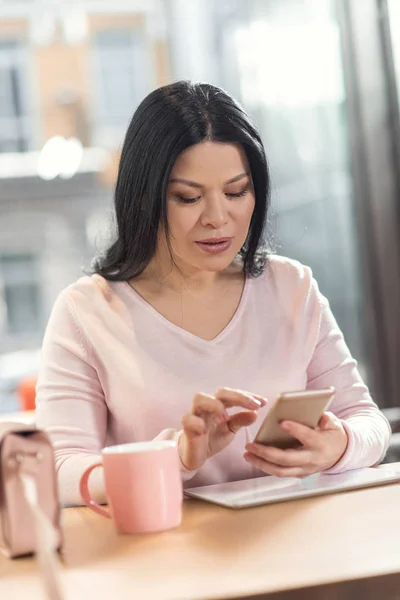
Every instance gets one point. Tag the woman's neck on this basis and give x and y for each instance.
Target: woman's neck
(180, 277)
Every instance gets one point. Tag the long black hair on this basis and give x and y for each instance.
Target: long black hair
(169, 120)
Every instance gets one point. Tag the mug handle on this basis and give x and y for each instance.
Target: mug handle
(84, 490)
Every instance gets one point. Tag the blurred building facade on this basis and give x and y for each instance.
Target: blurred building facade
(70, 74)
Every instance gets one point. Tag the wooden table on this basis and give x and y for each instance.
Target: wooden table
(343, 546)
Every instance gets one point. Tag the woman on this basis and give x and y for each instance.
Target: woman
(185, 302)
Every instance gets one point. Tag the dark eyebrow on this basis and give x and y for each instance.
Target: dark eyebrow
(198, 185)
(237, 178)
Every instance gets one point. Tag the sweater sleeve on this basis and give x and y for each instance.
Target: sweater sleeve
(367, 428)
(70, 403)
(71, 407)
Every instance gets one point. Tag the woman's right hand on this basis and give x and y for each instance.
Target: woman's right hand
(208, 428)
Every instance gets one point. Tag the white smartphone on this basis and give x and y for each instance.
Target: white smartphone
(306, 407)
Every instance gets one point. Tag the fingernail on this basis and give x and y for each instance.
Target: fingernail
(259, 399)
(256, 403)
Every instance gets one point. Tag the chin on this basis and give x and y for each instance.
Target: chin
(216, 263)
(211, 263)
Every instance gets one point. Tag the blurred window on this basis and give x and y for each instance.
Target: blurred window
(289, 75)
(120, 81)
(14, 124)
(394, 24)
(21, 293)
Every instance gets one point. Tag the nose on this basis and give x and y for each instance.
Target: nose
(215, 211)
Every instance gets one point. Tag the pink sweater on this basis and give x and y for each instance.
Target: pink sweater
(114, 371)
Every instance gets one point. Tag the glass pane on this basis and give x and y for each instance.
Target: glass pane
(7, 108)
(18, 275)
(13, 108)
(23, 307)
(288, 74)
(120, 60)
(394, 22)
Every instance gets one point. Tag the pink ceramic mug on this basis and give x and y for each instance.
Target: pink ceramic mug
(143, 486)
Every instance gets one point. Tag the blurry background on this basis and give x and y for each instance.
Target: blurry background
(319, 77)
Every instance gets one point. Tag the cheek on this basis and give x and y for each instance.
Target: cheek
(181, 221)
(244, 212)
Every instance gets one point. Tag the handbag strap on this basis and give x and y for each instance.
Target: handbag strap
(46, 536)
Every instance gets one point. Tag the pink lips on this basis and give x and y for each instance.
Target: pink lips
(215, 245)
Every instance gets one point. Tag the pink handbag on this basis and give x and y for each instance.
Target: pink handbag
(29, 506)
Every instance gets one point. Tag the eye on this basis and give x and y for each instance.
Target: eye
(184, 200)
(238, 194)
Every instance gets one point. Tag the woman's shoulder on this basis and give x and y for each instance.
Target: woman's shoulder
(88, 288)
(90, 294)
(289, 285)
(286, 274)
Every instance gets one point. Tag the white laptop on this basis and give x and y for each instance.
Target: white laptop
(268, 490)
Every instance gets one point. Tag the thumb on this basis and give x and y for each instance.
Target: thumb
(327, 421)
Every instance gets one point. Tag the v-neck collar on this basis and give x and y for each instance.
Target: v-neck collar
(131, 293)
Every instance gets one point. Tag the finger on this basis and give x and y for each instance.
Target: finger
(204, 404)
(306, 436)
(283, 458)
(271, 469)
(193, 425)
(192, 446)
(241, 419)
(232, 398)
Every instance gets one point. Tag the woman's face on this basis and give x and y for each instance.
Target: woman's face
(210, 202)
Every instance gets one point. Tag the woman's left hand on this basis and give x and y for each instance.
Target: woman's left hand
(321, 448)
